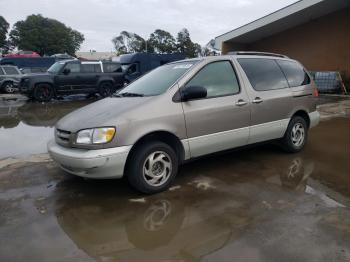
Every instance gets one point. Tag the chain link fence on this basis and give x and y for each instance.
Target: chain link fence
(329, 82)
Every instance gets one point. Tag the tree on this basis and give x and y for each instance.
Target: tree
(45, 36)
(185, 44)
(4, 26)
(162, 42)
(128, 42)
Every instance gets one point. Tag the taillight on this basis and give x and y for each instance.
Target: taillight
(314, 90)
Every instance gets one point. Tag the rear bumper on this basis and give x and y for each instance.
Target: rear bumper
(102, 163)
(314, 118)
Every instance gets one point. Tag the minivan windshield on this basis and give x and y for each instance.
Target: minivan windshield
(157, 81)
(56, 67)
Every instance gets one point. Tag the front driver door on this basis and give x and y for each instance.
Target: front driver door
(221, 120)
(69, 83)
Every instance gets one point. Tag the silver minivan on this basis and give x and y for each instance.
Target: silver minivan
(184, 110)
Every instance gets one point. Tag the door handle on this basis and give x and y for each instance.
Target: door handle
(241, 102)
(257, 100)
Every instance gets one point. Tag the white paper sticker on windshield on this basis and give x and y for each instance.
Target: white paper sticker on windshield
(182, 66)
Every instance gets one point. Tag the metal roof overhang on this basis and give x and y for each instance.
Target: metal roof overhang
(281, 20)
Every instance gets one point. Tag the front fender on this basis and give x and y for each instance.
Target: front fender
(105, 79)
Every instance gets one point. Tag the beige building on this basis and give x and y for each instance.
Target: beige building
(315, 32)
(93, 55)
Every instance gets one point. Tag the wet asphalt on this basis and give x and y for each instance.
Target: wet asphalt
(254, 204)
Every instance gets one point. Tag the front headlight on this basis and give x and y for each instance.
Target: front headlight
(95, 135)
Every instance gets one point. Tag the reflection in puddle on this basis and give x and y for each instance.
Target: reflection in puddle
(261, 205)
(190, 223)
(25, 128)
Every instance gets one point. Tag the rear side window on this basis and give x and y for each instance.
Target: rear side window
(263, 74)
(91, 68)
(74, 67)
(294, 73)
(112, 68)
(218, 78)
(10, 70)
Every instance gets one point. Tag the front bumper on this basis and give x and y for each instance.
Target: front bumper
(314, 118)
(102, 163)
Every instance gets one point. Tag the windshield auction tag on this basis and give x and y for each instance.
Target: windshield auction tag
(182, 66)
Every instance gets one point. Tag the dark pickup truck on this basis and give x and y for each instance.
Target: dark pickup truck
(73, 77)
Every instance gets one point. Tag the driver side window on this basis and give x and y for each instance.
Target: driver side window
(74, 67)
(218, 78)
(133, 69)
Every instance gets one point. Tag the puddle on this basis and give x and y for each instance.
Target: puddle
(26, 127)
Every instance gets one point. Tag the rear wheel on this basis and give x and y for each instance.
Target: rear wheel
(106, 89)
(9, 87)
(152, 167)
(43, 92)
(296, 135)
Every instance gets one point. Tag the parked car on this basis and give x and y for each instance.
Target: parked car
(73, 77)
(64, 56)
(9, 78)
(137, 64)
(184, 110)
(29, 64)
(23, 54)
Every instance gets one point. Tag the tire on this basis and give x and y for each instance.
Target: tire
(296, 135)
(106, 89)
(158, 177)
(43, 92)
(8, 88)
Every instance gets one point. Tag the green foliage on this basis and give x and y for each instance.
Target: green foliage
(185, 44)
(45, 36)
(4, 26)
(128, 42)
(162, 42)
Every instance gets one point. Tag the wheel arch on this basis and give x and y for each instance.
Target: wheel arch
(163, 136)
(5, 82)
(304, 114)
(105, 79)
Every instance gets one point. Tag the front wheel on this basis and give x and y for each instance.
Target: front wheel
(296, 135)
(152, 167)
(43, 92)
(9, 88)
(106, 89)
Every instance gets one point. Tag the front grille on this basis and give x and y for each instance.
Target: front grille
(63, 137)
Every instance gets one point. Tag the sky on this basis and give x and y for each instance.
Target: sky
(101, 20)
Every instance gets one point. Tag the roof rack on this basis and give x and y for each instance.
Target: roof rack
(256, 53)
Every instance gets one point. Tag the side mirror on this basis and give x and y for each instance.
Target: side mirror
(66, 71)
(193, 92)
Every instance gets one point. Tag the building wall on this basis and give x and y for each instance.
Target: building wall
(321, 44)
(96, 55)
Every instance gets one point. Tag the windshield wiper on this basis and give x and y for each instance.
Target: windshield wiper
(127, 94)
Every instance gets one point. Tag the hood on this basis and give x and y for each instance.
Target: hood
(30, 75)
(101, 113)
(11, 77)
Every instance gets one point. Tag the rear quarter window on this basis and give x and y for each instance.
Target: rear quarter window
(90, 68)
(112, 68)
(294, 72)
(263, 74)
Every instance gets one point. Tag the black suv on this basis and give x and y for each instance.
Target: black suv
(73, 77)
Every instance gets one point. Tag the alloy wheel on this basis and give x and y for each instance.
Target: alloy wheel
(157, 168)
